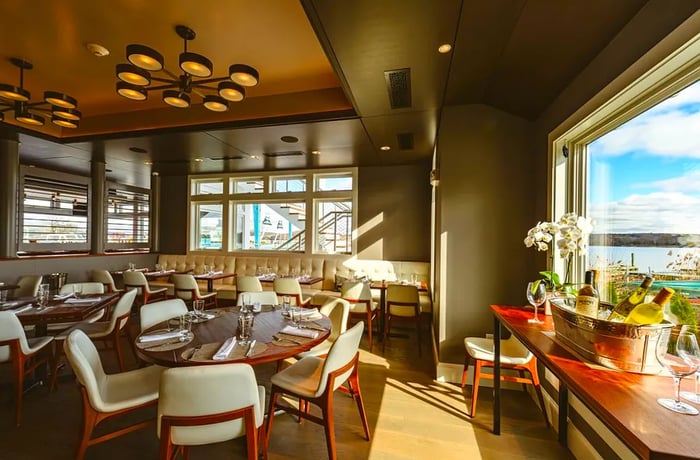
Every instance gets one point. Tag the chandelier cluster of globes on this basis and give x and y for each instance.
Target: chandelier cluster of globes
(136, 80)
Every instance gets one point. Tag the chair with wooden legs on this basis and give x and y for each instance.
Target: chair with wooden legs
(136, 280)
(402, 301)
(362, 306)
(25, 354)
(314, 380)
(246, 283)
(337, 310)
(261, 297)
(108, 332)
(105, 277)
(108, 395)
(290, 287)
(197, 406)
(187, 289)
(514, 355)
(28, 286)
(157, 312)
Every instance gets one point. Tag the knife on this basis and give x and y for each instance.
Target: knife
(250, 349)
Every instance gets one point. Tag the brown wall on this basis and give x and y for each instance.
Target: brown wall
(173, 215)
(393, 212)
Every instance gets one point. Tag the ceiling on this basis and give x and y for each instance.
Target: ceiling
(322, 67)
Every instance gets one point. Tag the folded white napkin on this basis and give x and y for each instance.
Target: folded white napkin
(19, 310)
(225, 349)
(63, 296)
(85, 300)
(291, 330)
(216, 273)
(307, 314)
(206, 315)
(160, 336)
(10, 304)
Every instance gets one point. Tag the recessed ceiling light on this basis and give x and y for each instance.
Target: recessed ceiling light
(315, 152)
(253, 157)
(155, 173)
(289, 139)
(444, 48)
(199, 160)
(385, 148)
(138, 150)
(148, 163)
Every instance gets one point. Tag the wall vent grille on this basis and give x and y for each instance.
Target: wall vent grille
(398, 82)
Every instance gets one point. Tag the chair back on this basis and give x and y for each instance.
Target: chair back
(340, 355)
(90, 287)
(287, 286)
(264, 297)
(122, 311)
(355, 290)
(87, 366)
(28, 286)
(11, 329)
(135, 278)
(402, 300)
(157, 312)
(184, 284)
(104, 277)
(514, 349)
(212, 395)
(248, 284)
(337, 310)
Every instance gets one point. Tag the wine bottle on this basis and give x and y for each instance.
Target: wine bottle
(587, 298)
(627, 304)
(650, 312)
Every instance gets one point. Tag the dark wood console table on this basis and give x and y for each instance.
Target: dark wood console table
(624, 402)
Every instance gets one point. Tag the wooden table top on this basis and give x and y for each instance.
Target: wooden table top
(267, 323)
(306, 281)
(624, 401)
(213, 276)
(423, 287)
(58, 311)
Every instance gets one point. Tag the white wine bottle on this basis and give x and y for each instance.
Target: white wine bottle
(627, 304)
(587, 298)
(650, 312)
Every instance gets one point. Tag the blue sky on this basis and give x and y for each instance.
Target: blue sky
(646, 173)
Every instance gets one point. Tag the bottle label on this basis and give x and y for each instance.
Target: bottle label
(587, 305)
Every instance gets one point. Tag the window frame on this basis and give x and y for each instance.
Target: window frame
(126, 246)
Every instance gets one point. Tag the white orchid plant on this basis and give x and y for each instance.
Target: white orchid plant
(571, 234)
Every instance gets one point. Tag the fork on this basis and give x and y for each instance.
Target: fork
(282, 339)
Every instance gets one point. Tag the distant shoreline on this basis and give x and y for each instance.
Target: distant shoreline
(663, 240)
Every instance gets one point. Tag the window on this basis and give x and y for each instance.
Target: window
(634, 168)
(283, 214)
(207, 187)
(127, 217)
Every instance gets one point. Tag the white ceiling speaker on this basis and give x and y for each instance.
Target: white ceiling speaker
(97, 50)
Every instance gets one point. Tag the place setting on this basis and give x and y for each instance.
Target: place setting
(302, 328)
(234, 348)
(170, 338)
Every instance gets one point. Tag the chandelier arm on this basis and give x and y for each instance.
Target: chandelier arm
(199, 93)
(164, 80)
(34, 105)
(201, 86)
(170, 74)
(212, 80)
(171, 85)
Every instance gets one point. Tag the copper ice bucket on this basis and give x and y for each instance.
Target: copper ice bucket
(625, 347)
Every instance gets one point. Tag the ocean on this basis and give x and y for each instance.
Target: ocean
(646, 259)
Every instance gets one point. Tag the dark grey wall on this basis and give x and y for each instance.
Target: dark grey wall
(173, 215)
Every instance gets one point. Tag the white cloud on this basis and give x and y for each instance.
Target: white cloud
(687, 183)
(660, 212)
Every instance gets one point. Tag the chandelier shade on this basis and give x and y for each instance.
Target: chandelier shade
(135, 79)
(61, 107)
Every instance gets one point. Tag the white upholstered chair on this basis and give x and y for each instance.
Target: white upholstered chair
(211, 413)
(514, 355)
(187, 289)
(107, 395)
(402, 302)
(134, 279)
(313, 380)
(108, 332)
(105, 277)
(246, 283)
(264, 297)
(157, 312)
(85, 288)
(290, 287)
(89, 287)
(337, 310)
(28, 286)
(359, 295)
(24, 354)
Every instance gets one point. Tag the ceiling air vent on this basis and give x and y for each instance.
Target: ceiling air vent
(290, 153)
(398, 82)
(405, 141)
(235, 157)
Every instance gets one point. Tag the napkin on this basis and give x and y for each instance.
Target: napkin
(86, 300)
(160, 336)
(307, 314)
(206, 315)
(63, 296)
(19, 310)
(225, 349)
(216, 273)
(291, 330)
(9, 304)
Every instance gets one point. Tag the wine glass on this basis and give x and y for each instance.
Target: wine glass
(678, 352)
(536, 295)
(689, 395)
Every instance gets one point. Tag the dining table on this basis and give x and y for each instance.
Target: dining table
(381, 286)
(211, 277)
(208, 334)
(303, 280)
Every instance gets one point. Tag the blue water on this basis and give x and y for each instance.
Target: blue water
(647, 260)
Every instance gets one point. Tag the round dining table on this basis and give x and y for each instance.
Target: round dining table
(207, 336)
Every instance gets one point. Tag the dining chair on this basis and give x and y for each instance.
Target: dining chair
(248, 284)
(402, 302)
(25, 354)
(157, 312)
(359, 295)
(314, 380)
(187, 289)
(263, 297)
(108, 332)
(88, 287)
(514, 355)
(105, 277)
(337, 310)
(290, 287)
(197, 407)
(85, 288)
(106, 396)
(28, 286)
(134, 279)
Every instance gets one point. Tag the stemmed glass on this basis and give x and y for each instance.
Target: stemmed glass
(678, 353)
(536, 295)
(689, 395)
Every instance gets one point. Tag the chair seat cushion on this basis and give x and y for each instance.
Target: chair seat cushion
(37, 343)
(362, 307)
(302, 377)
(319, 350)
(129, 389)
(512, 352)
(62, 328)
(403, 311)
(207, 295)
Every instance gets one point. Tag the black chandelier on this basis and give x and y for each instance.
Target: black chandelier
(61, 107)
(136, 79)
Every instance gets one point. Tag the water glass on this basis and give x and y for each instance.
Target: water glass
(3, 293)
(245, 327)
(77, 291)
(286, 303)
(132, 266)
(185, 324)
(206, 269)
(158, 267)
(198, 307)
(43, 295)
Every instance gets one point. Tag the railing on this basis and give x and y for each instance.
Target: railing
(334, 229)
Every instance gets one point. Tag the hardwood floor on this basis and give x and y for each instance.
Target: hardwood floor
(410, 415)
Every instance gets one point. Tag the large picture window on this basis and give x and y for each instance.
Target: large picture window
(127, 217)
(284, 214)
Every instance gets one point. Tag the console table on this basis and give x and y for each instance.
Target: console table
(623, 401)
